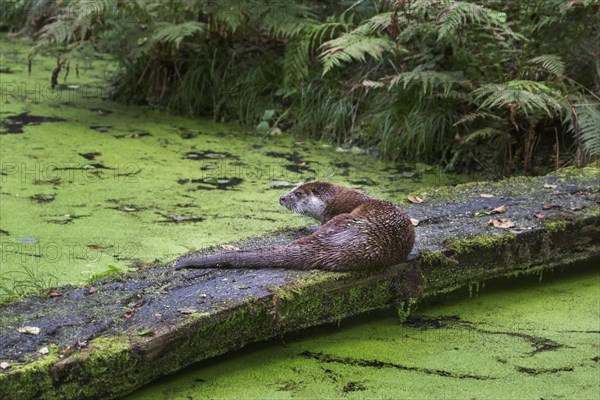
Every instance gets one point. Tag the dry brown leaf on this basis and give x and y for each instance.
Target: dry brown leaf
(44, 350)
(30, 330)
(415, 199)
(539, 215)
(502, 223)
(577, 208)
(186, 310)
(486, 195)
(549, 186)
(91, 290)
(55, 294)
(229, 247)
(414, 221)
(499, 210)
(128, 314)
(4, 365)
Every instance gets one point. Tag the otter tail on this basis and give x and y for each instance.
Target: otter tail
(287, 257)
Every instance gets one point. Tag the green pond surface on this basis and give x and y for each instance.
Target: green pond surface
(523, 340)
(111, 184)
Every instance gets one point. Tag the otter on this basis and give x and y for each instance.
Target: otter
(358, 232)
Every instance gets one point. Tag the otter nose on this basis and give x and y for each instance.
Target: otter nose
(281, 200)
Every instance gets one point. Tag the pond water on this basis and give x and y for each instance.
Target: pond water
(89, 186)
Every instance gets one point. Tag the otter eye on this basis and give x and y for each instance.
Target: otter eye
(298, 194)
(316, 192)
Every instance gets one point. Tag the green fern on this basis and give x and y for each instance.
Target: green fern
(550, 63)
(584, 121)
(429, 81)
(354, 46)
(528, 97)
(299, 49)
(490, 135)
(457, 14)
(478, 115)
(174, 33)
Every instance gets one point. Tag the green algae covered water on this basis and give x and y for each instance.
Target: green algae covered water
(89, 186)
(526, 340)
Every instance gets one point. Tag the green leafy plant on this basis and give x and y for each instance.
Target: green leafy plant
(469, 84)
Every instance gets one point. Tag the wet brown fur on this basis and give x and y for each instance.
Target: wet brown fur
(358, 232)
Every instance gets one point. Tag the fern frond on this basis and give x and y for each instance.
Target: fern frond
(529, 97)
(472, 117)
(585, 121)
(59, 31)
(286, 19)
(353, 46)
(175, 33)
(428, 81)
(459, 13)
(368, 39)
(551, 63)
(295, 63)
(489, 135)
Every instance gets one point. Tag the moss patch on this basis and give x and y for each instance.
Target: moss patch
(492, 335)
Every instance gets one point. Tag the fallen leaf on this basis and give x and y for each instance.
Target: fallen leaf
(414, 221)
(30, 330)
(577, 208)
(4, 365)
(44, 350)
(158, 315)
(301, 164)
(548, 186)
(229, 247)
(539, 215)
(550, 206)
(186, 310)
(91, 290)
(55, 294)
(128, 314)
(415, 199)
(499, 210)
(486, 195)
(502, 223)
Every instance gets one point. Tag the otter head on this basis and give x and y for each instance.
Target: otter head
(308, 199)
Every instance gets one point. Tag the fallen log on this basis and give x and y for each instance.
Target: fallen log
(129, 329)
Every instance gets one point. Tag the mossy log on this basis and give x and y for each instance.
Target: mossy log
(129, 329)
